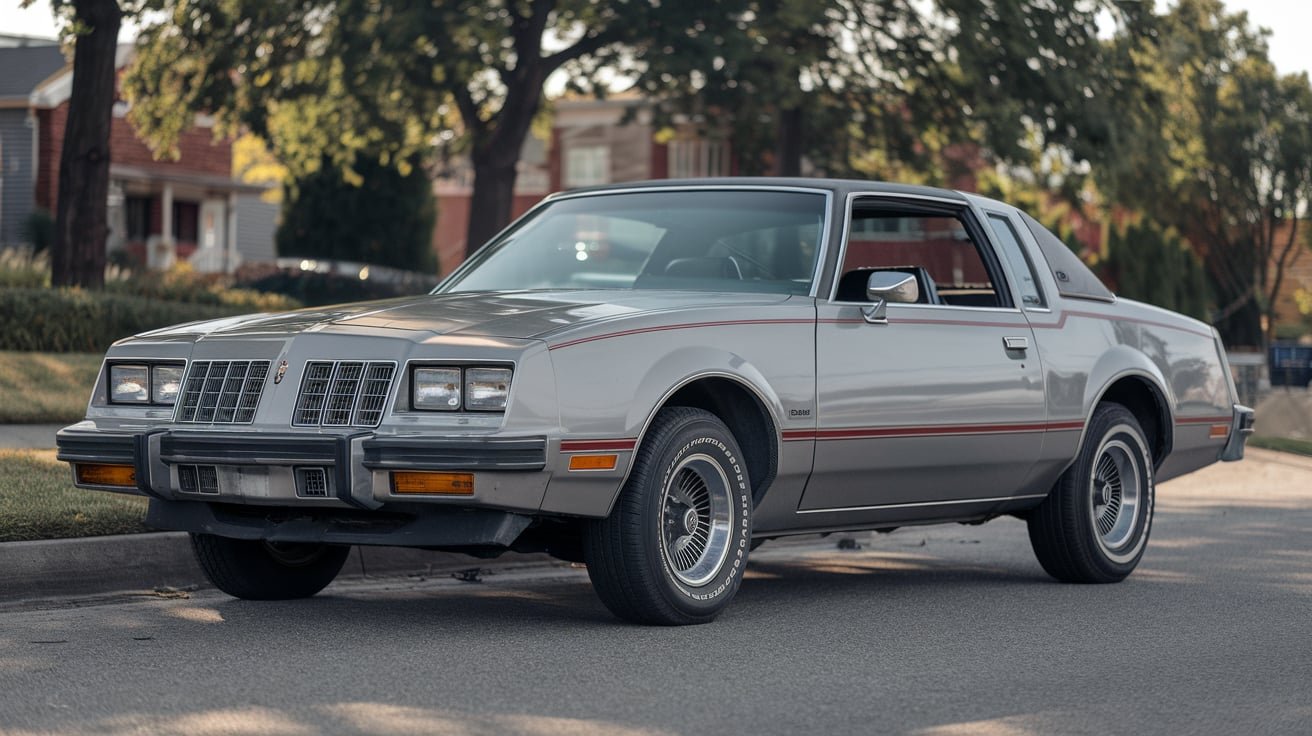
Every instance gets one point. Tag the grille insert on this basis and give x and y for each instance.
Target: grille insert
(198, 479)
(344, 393)
(311, 483)
(222, 391)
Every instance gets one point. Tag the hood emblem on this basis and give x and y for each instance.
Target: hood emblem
(282, 371)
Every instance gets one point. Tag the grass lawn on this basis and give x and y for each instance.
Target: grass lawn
(38, 501)
(45, 388)
(1283, 444)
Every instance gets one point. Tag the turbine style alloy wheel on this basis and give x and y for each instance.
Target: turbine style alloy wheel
(697, 513)
(675, 545)
(1094, 525)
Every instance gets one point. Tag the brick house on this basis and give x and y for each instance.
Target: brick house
(160, 212)
(588, 146)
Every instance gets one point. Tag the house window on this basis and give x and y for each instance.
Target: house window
(138, 216)
(186, 222)
(586, 166)
(698, 158)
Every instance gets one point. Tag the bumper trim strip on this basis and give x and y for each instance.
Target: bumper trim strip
(445, 453)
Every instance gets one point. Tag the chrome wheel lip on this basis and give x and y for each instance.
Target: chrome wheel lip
(1119, 494)
(696, 560)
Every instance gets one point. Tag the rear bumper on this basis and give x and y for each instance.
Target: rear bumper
(265, 469)
(1241, 425)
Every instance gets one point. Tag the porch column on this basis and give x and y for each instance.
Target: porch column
(166, 214)
(230, 256)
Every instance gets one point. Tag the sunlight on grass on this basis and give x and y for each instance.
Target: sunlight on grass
(45, 387)
(38, 501)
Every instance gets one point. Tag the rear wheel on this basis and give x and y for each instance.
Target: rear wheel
(1094, 525)
(267, 571)
(674, 548)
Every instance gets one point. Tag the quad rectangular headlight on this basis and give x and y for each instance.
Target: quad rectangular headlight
(146, 384)
(129, 384)
(486, 389)
(451, 388)
(165, 384)
(437, 389)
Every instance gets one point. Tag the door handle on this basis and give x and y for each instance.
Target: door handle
(1016, 343)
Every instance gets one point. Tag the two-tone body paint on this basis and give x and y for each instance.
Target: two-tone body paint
(927, 418)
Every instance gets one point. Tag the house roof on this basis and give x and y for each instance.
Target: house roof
(26, 67)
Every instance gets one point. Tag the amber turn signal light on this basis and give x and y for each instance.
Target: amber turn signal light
(1218, 431)
(121, 476)
(592, 462)
(451, 484)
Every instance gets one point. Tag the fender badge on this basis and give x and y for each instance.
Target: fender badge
(282, 371)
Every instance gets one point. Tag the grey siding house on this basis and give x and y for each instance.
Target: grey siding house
(24, 68)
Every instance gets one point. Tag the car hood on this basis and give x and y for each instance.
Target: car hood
(521, 314)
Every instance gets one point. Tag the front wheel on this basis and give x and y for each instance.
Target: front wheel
(674, 547)
(267, 571)
(1094, 525)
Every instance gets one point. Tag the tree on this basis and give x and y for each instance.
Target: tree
(866, 87)
(388, 80)
(77, 257)
(1220, 146)
(384, 218)
(1155, 265)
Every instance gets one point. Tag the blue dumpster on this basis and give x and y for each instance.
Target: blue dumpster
(1291, 365)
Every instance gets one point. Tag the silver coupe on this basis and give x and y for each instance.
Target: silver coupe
(654, 378)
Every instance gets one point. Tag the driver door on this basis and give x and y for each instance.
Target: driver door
(941, 409)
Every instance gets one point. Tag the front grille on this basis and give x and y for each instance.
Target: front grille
(311, 483)
(344, 393)
(222, 391)
(198, 479)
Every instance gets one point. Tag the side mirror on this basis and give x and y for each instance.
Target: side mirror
(883, 287)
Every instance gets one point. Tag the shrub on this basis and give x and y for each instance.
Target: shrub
(20, 267)
(185, 285)
(72, 320)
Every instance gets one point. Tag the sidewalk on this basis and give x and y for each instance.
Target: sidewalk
(28, 436)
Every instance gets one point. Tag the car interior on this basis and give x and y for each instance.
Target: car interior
(936, 248)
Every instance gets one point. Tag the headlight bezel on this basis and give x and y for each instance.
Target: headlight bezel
(462, 371)
(151, 393)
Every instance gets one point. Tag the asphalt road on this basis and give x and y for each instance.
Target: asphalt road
(948, 630)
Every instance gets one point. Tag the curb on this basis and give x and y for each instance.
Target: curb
(91, 566)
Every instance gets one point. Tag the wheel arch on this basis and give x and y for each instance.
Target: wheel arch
(1143, 393)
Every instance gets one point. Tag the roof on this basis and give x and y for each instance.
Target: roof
(26, 67)
(839, 186)
(207, 181)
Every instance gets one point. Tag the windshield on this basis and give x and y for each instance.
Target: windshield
(730, 240)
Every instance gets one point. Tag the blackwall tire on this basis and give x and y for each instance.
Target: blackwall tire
(260, 571)
(1094, 525)
(674, 548)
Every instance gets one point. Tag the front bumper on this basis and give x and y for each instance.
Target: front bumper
(1241, 425)
(267, 469)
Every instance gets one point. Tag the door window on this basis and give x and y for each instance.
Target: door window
(934, 246)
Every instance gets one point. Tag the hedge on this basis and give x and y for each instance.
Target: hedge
(71, 320)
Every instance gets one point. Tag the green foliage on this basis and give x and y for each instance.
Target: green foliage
(39, 230)
(1221, 146)
(1154, 265)
(891, 88)
(21, 268)
(184, 285)
(386, 219)
(71, 320)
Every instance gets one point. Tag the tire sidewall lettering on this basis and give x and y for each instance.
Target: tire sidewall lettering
(730, 572)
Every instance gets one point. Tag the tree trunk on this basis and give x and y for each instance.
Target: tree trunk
(81, 219)
(788, 150)
(492, 204)
(1243, 327)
